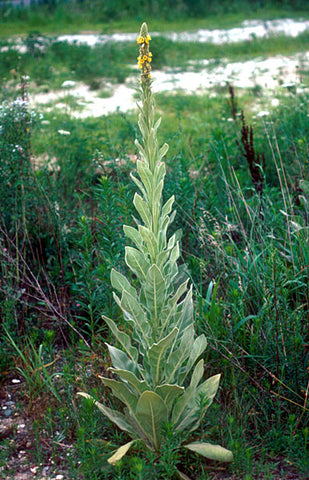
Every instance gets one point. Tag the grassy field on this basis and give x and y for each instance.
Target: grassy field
(49, 63)
(91, 16)
(241, 187)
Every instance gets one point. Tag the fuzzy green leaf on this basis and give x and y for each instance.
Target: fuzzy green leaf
(167, 207)
(134, 235)
(139, 386)
(143, 209)
(186, 310)
(141, 150)
(180, 354)
(157, 124)
(163, 151)
(121, 360)
(150, 240)
(157, 193)
(192, 413)
(137, 262)
(123, 338)
(169, 393)
(198, 348)
(189, 392)
(132, 306)
(209, 388)
(139, 184)
(213, 452)
(156, 356)
(145, 175)
(121, 391)
(120, 453)
(120, 283)
(152, 414)
(116, 417)
(159, 172)
(154, 290)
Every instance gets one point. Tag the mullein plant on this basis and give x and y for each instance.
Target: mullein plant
(159, 368)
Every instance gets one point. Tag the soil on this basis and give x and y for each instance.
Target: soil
(18, 437)
(18, 442)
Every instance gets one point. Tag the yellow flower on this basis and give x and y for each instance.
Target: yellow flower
(145, 57)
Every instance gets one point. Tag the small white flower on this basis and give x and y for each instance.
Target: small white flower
(263, 113)
(64, 132)
(289, 85)
(275, 102)
(68, 84)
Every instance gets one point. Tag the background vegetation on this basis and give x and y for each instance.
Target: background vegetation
(242, 191)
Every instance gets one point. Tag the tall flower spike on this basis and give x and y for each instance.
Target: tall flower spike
(145, 56)
(161, 350)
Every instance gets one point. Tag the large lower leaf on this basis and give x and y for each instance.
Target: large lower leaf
(151, 412)
(169, 393)
(116, 417)
(121, 391)
(121, 360)
(120, 453)
(179, 355)
(139, 386)
(185, 400)
(198, 348)
(190, 403)
(213, 452)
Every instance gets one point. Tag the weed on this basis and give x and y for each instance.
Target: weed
(256, 162)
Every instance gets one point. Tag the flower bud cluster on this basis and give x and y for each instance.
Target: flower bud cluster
(145, 56)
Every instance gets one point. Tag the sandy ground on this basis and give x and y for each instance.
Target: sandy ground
(273, 73)
(249, 30)
(200, 77)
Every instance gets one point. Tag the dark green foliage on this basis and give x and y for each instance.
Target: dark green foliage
(108, 10)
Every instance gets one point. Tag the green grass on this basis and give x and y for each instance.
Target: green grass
(61, 61)
(243, 316)
(80, 19)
